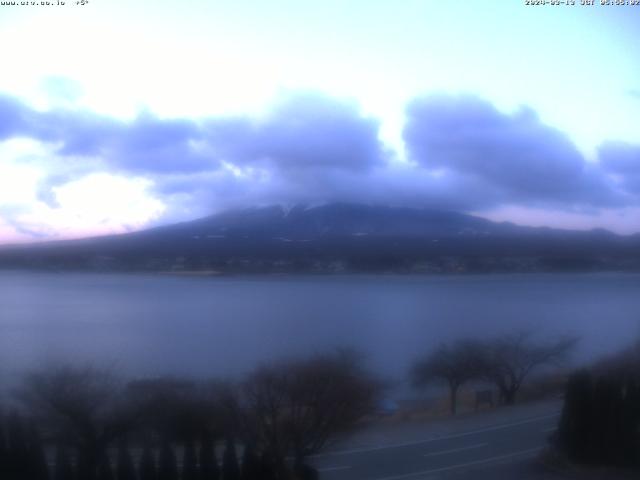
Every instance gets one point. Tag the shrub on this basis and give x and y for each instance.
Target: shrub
(600, 422)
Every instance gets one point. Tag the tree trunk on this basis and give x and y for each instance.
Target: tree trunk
(453, 398)
(509, 396)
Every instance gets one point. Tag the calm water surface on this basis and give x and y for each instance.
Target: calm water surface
(145, 324)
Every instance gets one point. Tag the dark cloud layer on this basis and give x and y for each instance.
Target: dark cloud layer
(622, 160)
(145, 145)
(304, 131)
(466, 154)
(517, 154)
(14, 117)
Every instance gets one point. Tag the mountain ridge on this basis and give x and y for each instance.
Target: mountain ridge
(336, 237)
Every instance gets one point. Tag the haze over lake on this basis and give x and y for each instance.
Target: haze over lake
(148, 325)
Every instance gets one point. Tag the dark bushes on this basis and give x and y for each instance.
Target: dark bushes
(600, 423)
(95, 425)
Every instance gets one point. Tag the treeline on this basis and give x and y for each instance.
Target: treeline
(23, 457)
(86, 424)
(600, 423)
(21, 450)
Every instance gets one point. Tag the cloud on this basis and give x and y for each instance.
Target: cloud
(95, 204)
(530, 162)
(146, 144)
(309, 148)
(14, 117)
(302, 131)
(392, 184)
(622, 160)
(620, 157)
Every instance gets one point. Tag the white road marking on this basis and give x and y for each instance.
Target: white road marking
(453, 450)
(434, 439)
(332, 469)
(462, 465)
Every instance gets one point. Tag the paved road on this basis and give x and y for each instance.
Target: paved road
(493, 440)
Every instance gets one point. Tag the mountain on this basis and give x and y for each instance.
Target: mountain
(333, 238)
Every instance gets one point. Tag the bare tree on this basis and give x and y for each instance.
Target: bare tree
(264, 405)
(180, 409)
(453, 364)
(297, 407)
(328, 395)
(82, 407)
(508, 360)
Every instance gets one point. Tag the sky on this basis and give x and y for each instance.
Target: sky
(119, 115)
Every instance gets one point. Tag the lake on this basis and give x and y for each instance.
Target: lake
(224, 326)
